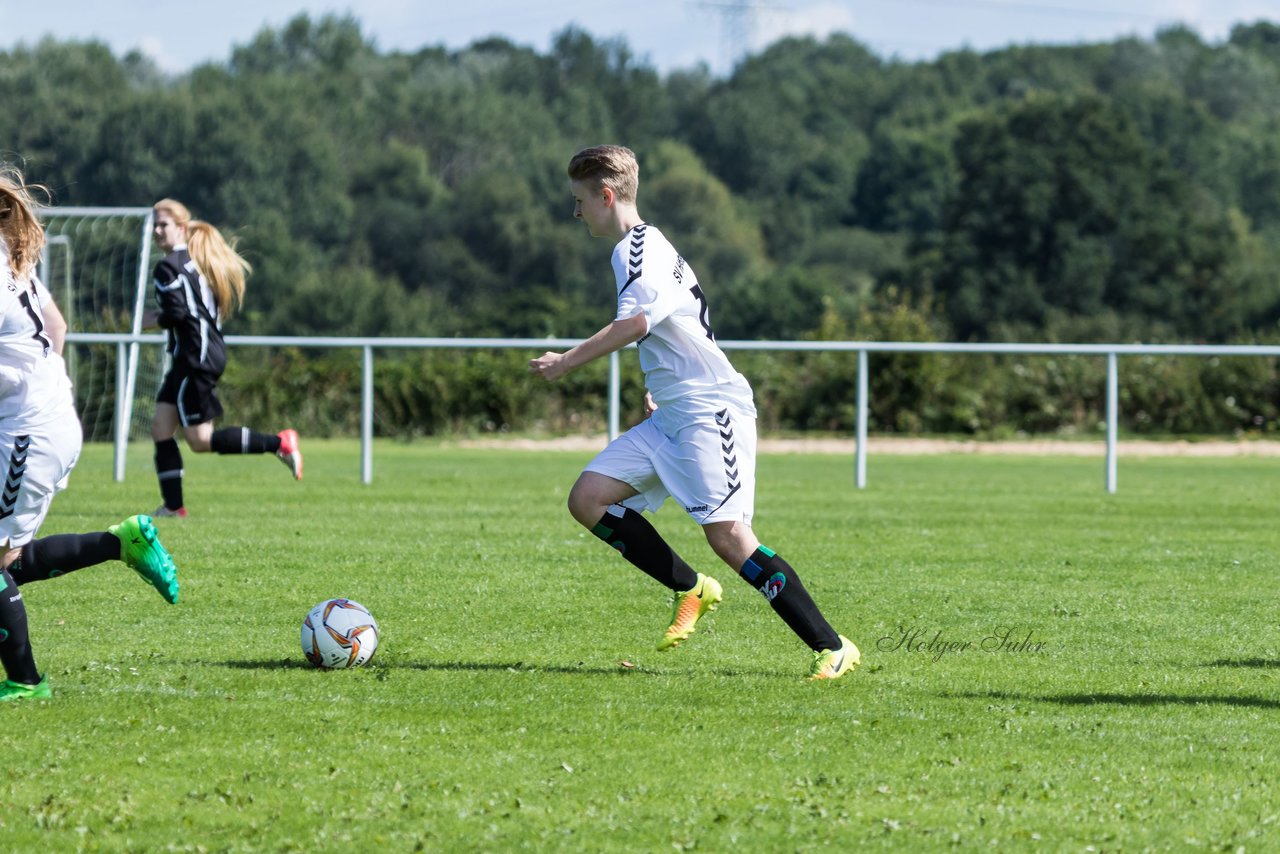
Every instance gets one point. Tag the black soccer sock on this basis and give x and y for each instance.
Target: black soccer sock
(775, 578)
(169, 471)
(640, 543)
(242, 440)
(15, 642)
(49, 557)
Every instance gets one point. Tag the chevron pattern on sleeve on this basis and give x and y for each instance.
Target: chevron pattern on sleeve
(635, 256)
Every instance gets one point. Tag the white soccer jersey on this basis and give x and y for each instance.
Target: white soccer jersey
(684, 369)
(34, 387)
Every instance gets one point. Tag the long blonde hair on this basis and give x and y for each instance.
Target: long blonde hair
(215, 257)
(19, 227)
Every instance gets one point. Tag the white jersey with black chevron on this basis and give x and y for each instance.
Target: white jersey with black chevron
(685, 370)
(34, 387)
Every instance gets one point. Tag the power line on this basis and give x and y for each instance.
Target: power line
(1056, 9)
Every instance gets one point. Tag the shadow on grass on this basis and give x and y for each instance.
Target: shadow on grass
(513, 667)
(1112, 699)
(520, 667)
(245, 664)
(1261, 663)
(476, 667)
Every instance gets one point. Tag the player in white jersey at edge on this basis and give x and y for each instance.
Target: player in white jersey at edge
(698, 445)
(40, 440)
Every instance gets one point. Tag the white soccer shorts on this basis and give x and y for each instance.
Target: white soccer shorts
(36, 464)
(707, 464)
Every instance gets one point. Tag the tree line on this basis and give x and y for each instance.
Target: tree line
(1127, 190)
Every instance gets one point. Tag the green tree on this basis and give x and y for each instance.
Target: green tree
(787, 132)
(904, 182)
(1061, 205)
(714, 231)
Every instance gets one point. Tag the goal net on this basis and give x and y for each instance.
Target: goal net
(97, 264)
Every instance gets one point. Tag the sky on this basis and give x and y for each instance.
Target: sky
(669, 35)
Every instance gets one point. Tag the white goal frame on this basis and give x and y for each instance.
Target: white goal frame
(127, 365)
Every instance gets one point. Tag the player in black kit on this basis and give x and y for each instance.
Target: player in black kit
(199, 284)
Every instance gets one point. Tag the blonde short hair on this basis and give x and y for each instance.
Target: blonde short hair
(612, 166)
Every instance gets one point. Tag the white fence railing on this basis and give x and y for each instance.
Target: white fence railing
(127, 346)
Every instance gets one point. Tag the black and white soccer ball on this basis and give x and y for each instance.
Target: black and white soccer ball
(339, 633)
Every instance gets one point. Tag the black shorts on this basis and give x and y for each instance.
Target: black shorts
(195, 393)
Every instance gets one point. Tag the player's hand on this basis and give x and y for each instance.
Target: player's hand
(649, 406)
(550, 366)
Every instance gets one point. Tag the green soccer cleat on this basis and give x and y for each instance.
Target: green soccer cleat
(21, 691)
(140, 548)
(688, 608)
(834, 663)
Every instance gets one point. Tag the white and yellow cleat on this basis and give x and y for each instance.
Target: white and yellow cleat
(688, 608)
(834, 663)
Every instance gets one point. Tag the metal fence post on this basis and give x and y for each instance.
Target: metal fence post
(861, 451)
(1113, 398)
(123, 412)
(366, 416)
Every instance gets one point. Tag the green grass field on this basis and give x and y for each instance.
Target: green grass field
(1118, 690)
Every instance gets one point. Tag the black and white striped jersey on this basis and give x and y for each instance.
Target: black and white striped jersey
(189, 313)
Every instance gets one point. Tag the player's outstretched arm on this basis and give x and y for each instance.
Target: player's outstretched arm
(618, 334)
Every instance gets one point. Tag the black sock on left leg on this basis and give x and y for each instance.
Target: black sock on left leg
(242, 440)
(169, 472)
(15, 642)
(774, 577)
(49, 557)
(641, 544)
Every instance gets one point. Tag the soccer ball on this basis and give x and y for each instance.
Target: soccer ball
(339, 633)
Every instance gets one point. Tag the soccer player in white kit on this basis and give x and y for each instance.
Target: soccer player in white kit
(40, 440)
(698, 445)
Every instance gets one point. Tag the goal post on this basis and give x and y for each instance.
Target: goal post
(97, 264)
